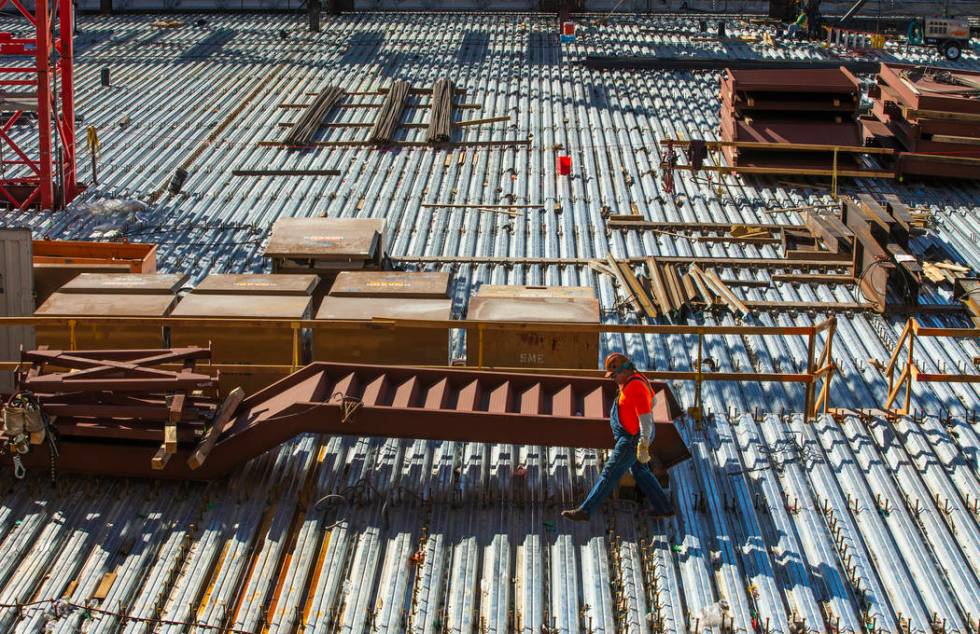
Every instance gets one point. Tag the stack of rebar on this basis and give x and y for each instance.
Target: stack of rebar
(301, 133)
(441, 117)
(391, 112)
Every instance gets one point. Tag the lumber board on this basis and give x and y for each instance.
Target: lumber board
(658, 285)
(726, 293)
(160, 458)
(634, 288)
(697, 276)
(105, 584)
(285, 172)
(471, 122)
(674, 286)
(690, 291)
(170, 439)
(224, 414)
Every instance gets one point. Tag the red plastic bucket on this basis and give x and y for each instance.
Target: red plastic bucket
(564, 165)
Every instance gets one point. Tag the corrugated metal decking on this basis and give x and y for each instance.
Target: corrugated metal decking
(783, 519)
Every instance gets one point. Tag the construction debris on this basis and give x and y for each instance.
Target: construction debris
(441, 112)
(313, 115)
(710, 282)
(391, 112)
(632, 286)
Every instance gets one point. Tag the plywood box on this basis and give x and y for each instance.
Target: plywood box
(110, 295)
(533, 347)
(389, 295)
(252, 297)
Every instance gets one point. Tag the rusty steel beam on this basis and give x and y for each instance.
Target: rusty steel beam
(388, 402)
(121, 371)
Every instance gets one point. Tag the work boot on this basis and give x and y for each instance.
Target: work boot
(576, 515)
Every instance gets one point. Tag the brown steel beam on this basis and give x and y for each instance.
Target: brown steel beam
(733, 263)
(286, 172)
(388, 402)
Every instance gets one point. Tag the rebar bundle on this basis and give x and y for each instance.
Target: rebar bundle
(309, 122)
(391, 112)
(441, 117)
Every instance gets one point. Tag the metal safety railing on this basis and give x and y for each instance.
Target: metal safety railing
(910, 372)
(816, 378)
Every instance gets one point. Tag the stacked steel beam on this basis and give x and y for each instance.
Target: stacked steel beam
(787, 107)
(934, 115)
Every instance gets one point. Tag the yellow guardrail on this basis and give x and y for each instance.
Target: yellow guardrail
(819, 363)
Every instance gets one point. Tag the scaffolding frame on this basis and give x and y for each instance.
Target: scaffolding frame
(910, 373)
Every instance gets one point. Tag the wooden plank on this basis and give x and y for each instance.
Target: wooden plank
(634, 287)
(407, 144)
(939, 114)
(471, 122)
(793, 147)
(951, 138)
(224, 414)
(674, 287)
(628, 221)
(286, 172)
(690, 291)
(160, 458)
(697, 276)
(815, 278)
(599, 267)
(796, 171)
(176, 408)
(170, 439)
(830, 261)
(657, 283)
(105, 584)
(734, 302)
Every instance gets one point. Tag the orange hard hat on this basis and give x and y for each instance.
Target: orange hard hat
(614, 361)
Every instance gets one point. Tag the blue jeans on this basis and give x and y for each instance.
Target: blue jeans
(622, 459)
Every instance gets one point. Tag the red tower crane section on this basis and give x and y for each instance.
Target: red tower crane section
(36, 77)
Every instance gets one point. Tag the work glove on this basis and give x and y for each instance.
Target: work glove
(647, 432)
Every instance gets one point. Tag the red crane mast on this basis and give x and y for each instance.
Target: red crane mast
(41, 175)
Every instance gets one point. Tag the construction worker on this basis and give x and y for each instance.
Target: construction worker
(631, 420)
